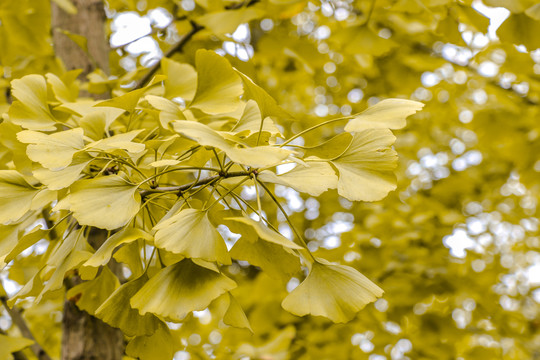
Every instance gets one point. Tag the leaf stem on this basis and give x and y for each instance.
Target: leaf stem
(315, 127)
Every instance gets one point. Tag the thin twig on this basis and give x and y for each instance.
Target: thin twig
(181, 188)
(19, 321)
(174, 49)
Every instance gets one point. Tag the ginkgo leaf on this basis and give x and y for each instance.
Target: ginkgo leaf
(61, 179)
(235, 315)
(181, 79)
(16, 195)
(98, 120)
(117, 312)
(31, 110)
(366, 167)
(124, 236)
(9, 236)
(168, 110)
(278, 262)
(164, 162)
(265, 233)
(218, 86)
(386, 114)
(11, 344)
(24, 242)
(119, 141)
(251, 121)
(260, 156)
(65, 89)
(226, 22)
(89, 295)
(127, 102)
(267, 104)
(178, 289)
(54, 151)
(107, 202)
(158, 346)
(191, 234)
(314, 179)
(334, 291)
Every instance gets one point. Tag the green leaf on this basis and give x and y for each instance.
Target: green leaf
(191, 234)
(388, 113)
(314, 179)
(54, 151)
(218, 86)
(11, 344)
(181, 79)
(16, 195)
(89, 295)
(31, 110)
(117, 311)
(124, 236)
(158, 346)
(337, 292)
(107, 202)
(261, 156)
(180, 289)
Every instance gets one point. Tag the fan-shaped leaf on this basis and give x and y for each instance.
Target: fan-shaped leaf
(337, 292)
(107, 202)
(179, 289)
(16, 195)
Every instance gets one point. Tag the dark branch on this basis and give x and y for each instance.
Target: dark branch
(179, 189)
(174, 49)
(19, 321)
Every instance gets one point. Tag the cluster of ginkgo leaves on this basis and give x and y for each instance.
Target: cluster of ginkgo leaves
(160, 168)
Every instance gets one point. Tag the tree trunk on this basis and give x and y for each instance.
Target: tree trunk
(85, 337)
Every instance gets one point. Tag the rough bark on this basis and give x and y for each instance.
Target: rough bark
(88, 22)
(85, 337)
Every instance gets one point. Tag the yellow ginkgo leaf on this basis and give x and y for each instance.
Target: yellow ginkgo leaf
(366, 167)
(180, 289)
(54, 151)
(250, 121)
(118, 141)
(232, 311)
(226, 22)
(168, 111)
(117, 312)
(16, 195)
(191, 234)
(31, 110)
(11, 344)
(337, 292)
(61, 179)
(266, 103)
(218, 86)
(181, 79)
(158, 346)
(107, 202)
(260, 156)
(104, 253)
(89, 295)
(314, 179)
(265, 233)
(386, 114)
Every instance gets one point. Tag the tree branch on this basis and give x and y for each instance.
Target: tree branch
(174, 49)
(19, 321)
(179, 189)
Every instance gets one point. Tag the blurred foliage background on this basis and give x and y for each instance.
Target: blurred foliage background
(455, 247)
